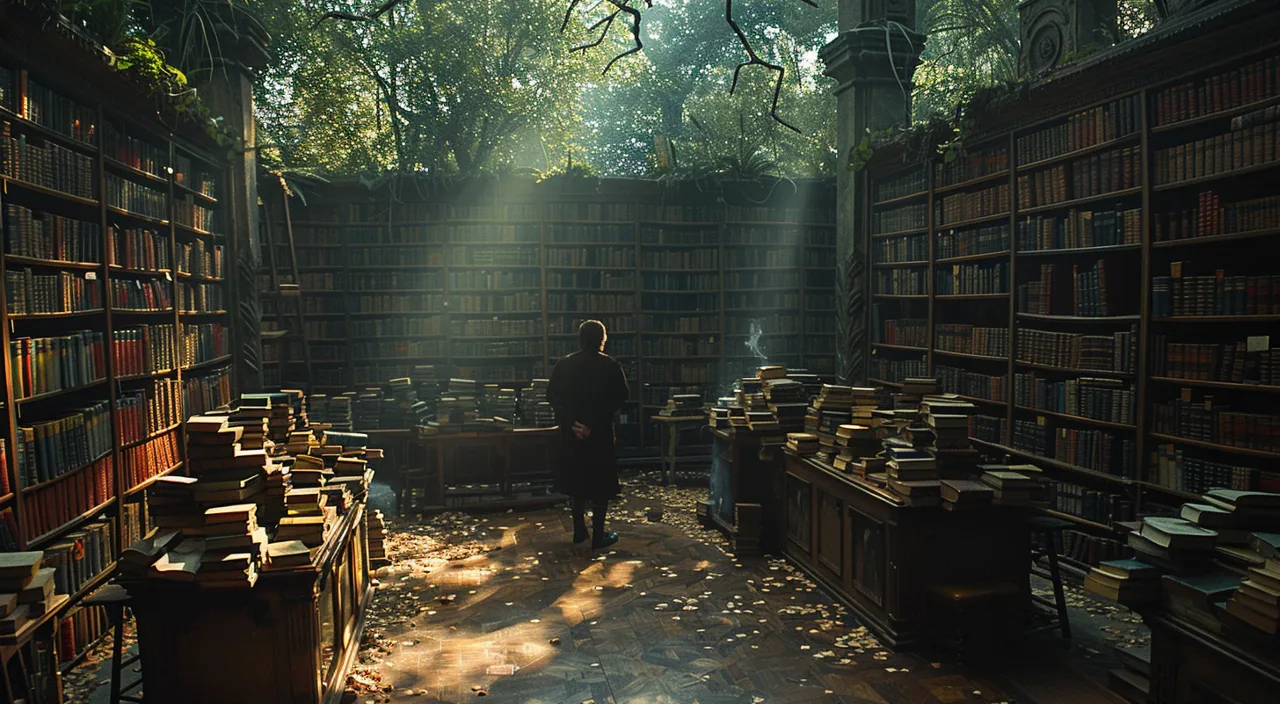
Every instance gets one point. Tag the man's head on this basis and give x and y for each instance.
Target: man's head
(591, 336)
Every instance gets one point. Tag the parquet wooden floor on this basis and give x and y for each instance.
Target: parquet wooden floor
(665, 618)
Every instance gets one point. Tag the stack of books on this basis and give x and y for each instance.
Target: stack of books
(1129, 582)
(535, 410)
(298, 402)
(1009, 487)
(287, 554)
(913, 475)
(366, 411)
(787, 401)
(856, 450)
(679, 405)
(402, 407)
(498, 403)
(802, 443)
(1175, 544)
(136, 560)
(376, 529)
(457, 406)
(963, 494)
(308, 470)
(252, 417)
(426, 384)
(722, 413)
(309, 519)
(330, 411)
(234, 547)
(19, 576)
(171, 504)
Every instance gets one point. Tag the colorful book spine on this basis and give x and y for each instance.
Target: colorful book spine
(204, 342)
(52, 448)
(49, 507)
(31, 233)
(43, 365)
(141, 249)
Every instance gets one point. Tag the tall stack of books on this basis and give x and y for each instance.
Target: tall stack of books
(1129, 582)
(402, 407)
(426, 384)
(252, 417)
(24, 592)
(310, 516)
(535, 410)
(948, 418)
(857, 450)
(682, 405)
(457, 406)
(376, 529)
(831, 408)
(330, 411)
(234, 547)
(913, 475)
(787, 401)
(366, 410)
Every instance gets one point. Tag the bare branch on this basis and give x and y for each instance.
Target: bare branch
(635, 34)
(382, 10)
(568, 13)
(754, 60)
(607, 21)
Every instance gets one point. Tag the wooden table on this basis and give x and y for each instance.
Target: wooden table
(745, 486)
(503, 459)
(672, 428)
(289, 639)
(881, 557)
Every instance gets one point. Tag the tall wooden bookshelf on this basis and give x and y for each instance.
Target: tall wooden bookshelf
(677, 278)
(1098, 276)
(115, 309)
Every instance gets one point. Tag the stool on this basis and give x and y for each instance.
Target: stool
(1043, 531)
(968, 604)
(116, 600)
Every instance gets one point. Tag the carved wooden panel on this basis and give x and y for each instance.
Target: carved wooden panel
(830, 548)
(800, 512)
(870, 555)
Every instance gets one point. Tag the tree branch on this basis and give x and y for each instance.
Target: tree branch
(755, 60)
(382, 10)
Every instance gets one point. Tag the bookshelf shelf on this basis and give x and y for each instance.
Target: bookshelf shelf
(977, 399)
(7, 181)
(1073, 370)
(133, 171)
(882, 382)
(59, 392)
(592, 268)
(359, 291)
(152, 480)
(208, 363)
(1223, 176)
(1081, 318)
(900, 296)
(88, 587)
(1244, 451)
(137, 216)
(980, 180)
(150, 436)
(1080, 250)
(1218, 319)
(1052, 463)
(900, 199)
(777, 223)
(896, 265)
(69, 314)
(467, 266)
(142, 311)
(966, 355)
(901, 233)
(1215, 116)
(970, 222)
(69, 473)
(699, 224)
(1217, 239)
(525, 289)
(973, 257)
(194, 230)
(117, 269)
(28, 126)
(186, 190)
(905, 348)
(1224, 385)
(52, 263)
(1077, 202)
(972, 296)
(1170, 491)
(1078, 419)
(1073, 155)
(146, 375)
(590, 244)
(39, 542)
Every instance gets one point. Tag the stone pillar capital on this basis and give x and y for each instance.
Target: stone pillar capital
(878, 52)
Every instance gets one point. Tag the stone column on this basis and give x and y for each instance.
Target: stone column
(228, 92)
(872, 60)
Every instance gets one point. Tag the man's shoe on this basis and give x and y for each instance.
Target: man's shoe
(604, 541)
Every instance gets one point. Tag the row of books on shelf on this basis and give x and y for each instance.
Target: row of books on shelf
(138, 248)
(150, 459)
(1249, 361)
(910, 183)
(1217, 294)
(585, 302)
(680, 259)
(494, 233)
(1090, 295)
(771, 258)
(895, 370)
(910, 248)
(206, 391)
(679, 281)
(54, 505)
(988, 161)
(373, 281)
(1080, 229)
(1240, 148)
(908, 332)
(1087, 549)
(1218, 92)
(961, 207)
(27, 98)
(676, 347)
(140, 294)
(754, 301)
(498, 348)
(133, 151)
(45, 164)
(665, 324)
(1116, 352)
(143, 349)
(1104, 507)
(595, 233)
(1171, 467)
(955, 380)
(602, 257)
(31, 233)
(900, 219)
(80, 629)
(42, 365)
(972, 339)
(201, 298)
(200, 258)
(378, 256)
(1081, 130)
(418, 302)
(1212, 217)
(680, 372)
(988, 239)
(416, 348)
(52, 448)
(972, 279)
(1095, 175)
(1110, 400)
(189, 213)
(136, 198)
(204, 342)
(619, 281)
(901, 282)
(557, 210)
(762, 279)
(148, 410)
(790, 237)
(1199, 419)
(988, 429)
(28, 292)
(1099, 450)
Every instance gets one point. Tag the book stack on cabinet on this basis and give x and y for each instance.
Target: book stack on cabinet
(115, 325)
(1101, 283)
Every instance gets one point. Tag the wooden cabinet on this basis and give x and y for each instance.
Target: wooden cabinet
(881, 557)
(745, 486)
(1190, 665)
(288, 640)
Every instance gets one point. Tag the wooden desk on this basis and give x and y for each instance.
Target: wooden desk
(289, 639)
(1192, 665)
(881, 557)
(745, 486)
(500, 459)
(672, 428)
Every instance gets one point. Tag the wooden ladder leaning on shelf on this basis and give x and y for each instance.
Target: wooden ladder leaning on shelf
(289, 293)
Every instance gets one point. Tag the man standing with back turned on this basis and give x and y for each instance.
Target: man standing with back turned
(587, 389)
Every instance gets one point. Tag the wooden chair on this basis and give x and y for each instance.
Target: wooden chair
(116, 600)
